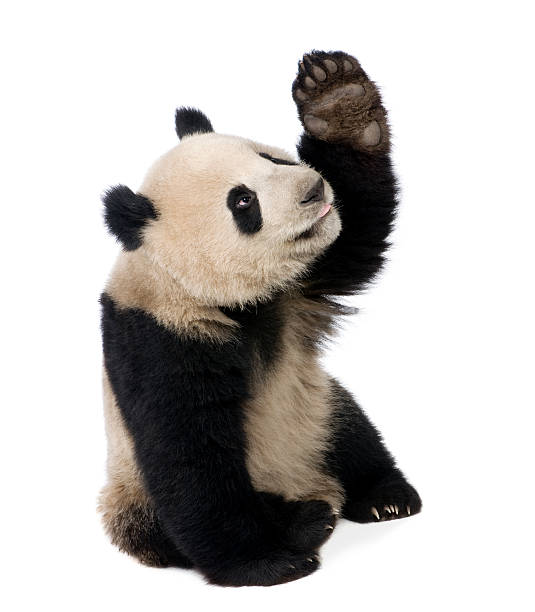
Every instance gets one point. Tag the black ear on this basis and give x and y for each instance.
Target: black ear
(191, 121)
(126, 213)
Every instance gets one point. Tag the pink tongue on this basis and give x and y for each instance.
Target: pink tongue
(326, 208)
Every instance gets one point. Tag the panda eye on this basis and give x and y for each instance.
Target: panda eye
(245, 207)
(244, 202)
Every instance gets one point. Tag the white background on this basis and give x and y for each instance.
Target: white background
(441, 355)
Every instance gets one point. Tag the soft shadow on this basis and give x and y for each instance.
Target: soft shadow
(349, 535)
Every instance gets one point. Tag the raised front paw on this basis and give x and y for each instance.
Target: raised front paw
(338, 103)
(389, 500)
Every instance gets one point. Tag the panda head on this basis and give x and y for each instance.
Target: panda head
(229, 219)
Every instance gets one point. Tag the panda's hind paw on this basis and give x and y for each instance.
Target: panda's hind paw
(337, 101)
(387, 501)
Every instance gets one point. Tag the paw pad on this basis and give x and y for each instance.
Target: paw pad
(315, 124)
(348, 66)
(371, 135)
(331, 65)
(338, 103)
(319, 73)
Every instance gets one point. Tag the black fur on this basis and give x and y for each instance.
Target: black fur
(360, 460)
(366, 196)
(248, 220)
(182, 401)
(191, 121)
(137, 531)
(263, 324)
(365, 191)
(277, 160)
(126, 213)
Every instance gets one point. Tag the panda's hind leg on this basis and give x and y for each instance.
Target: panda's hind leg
(133, 526)
(375, 489)
(129, 517)
(390, 498)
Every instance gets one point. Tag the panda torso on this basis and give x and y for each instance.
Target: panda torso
(288, 413)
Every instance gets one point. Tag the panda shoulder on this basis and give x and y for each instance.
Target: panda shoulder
(135, 285)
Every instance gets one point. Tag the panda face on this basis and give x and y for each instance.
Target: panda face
(235, 220)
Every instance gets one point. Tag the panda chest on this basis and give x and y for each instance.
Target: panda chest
(287, 425)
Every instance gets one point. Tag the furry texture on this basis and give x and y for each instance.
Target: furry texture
(231, 450)
(190, 121)
(195, 392)
(245, 208)
(337, 102)
(128, 514)
(196, 239)
(363, 465)
(126, 213)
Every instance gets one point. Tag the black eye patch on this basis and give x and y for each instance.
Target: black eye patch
(245, 207)
(277, 160)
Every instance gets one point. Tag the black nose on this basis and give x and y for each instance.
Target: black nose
(315, 194)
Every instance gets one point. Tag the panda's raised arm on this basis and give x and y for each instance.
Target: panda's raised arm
(182, 403)
(346, 139)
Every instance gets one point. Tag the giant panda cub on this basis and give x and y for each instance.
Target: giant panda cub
(230, 449)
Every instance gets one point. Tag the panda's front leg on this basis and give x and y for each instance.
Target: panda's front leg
(182, 400)
(347, 140)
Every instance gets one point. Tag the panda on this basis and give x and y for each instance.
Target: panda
(231, 450)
